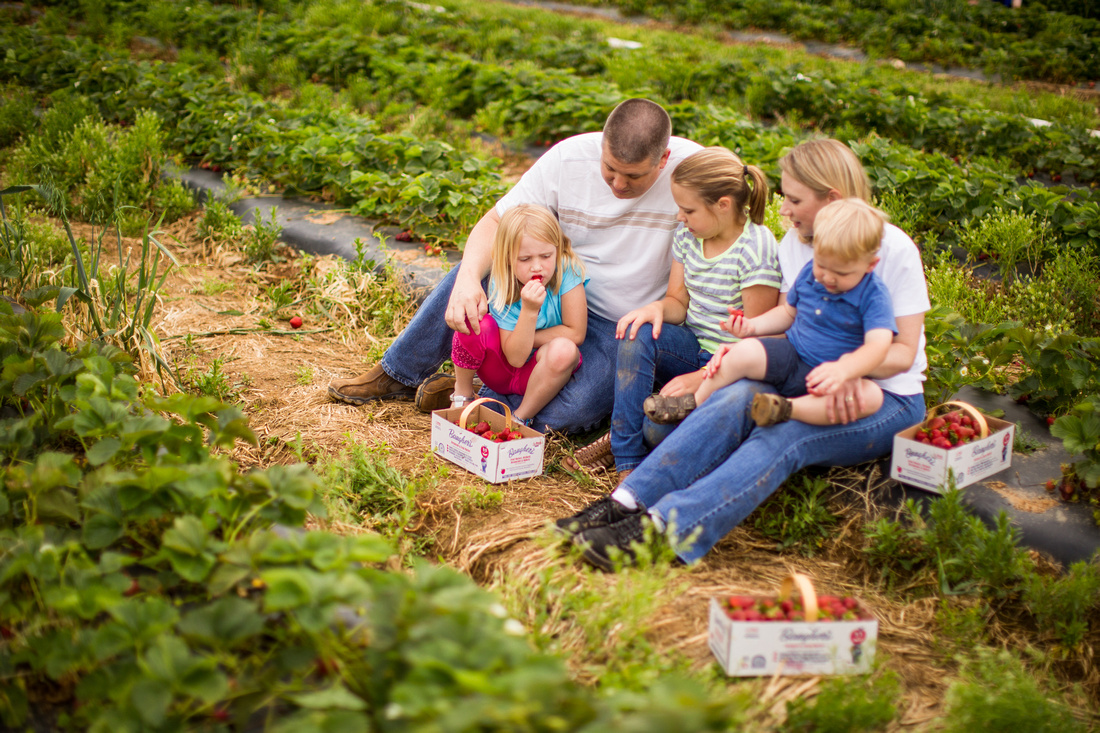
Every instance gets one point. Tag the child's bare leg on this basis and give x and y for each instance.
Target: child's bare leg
(555, 364)
(811, 410)
(464, 382)
(745, 360)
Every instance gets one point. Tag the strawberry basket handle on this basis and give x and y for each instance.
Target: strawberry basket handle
(480, 401)
(805, 589)
(975, 415)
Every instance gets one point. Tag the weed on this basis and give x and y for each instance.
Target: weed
(261, 239)
(797, 515)
(1024, 442)
(997, 693)
(212, 286)
(364, 488)
(482, 497)
(1010, 238)
(219, 223)
(960, 625)
(281, 295)
(846, 705)
(898, 547)
(1062, 604)
(213, 382)
(303, 375)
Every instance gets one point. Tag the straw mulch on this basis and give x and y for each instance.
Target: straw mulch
(282, 381)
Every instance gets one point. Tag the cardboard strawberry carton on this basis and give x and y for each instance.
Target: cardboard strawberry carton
(519, 455)
(958, 441)
(786, 635)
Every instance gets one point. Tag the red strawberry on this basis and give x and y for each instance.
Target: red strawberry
(1050, 485)
(736, 313)
(537, 278)
(1050, 419)
(405, 236)
(296, 322)
(515, 435)
(482, 427)
(489, 435)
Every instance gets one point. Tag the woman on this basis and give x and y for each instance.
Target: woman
(717, 466)
(723, 258)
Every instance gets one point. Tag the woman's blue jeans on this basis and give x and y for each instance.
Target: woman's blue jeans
(642, 364)
(716, 467)
(585, 400)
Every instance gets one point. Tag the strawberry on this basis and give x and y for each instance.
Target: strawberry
(489, 435)
(405, 236)
(1050, 419)
(1050, 485)
(515, 435)
(296, 322)
(737, 313)
(537, 278)
(482, 427)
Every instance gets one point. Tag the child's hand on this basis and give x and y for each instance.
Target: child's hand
(716, 361)
(738, 325)
(825, 379)
(533, 294)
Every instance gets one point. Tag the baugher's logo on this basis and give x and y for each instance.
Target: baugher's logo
(928, 457)
(983, 448)
(528, 449)
(460, 437)
(813, 635)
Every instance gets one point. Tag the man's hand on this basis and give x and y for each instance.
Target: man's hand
(467, 304)
(651, 313)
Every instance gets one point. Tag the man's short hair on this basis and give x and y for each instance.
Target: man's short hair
(637, 130)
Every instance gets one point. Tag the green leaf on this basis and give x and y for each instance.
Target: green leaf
(100, 530)
(151, 698)
(337, 696)
(103, 451)
(227, 620)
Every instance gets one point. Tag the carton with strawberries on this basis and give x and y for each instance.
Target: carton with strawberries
(487, 443)
(807, 634)
(954, 439)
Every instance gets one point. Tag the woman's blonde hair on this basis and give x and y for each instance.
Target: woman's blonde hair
(825, 165)
(716, 172)
(527, 220)
(848, 229)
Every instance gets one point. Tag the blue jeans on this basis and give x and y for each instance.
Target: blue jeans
(586, 399)
(641, 365)
(717, 466)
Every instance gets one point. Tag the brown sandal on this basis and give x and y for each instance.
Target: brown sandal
(770, 409)
(596, 456)
(666, 410)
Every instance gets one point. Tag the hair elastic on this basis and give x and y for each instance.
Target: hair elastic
(744, 171)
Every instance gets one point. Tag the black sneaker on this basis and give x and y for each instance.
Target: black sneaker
(622, 535)
(599, 513)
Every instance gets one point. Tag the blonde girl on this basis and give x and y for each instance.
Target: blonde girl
(529, 341)
(723, 258)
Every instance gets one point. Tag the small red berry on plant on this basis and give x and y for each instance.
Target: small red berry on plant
(296, 322)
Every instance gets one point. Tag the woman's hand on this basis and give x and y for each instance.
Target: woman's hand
(652, 313)
(844, 404)
(683, 384)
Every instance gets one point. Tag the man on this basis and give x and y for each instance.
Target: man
(610, 191)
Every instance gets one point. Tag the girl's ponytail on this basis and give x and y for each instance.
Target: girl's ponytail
(758, 193)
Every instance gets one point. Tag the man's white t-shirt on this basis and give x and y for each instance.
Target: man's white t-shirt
(625, 244)
(901, 270)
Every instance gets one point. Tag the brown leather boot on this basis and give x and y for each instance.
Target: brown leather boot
(374, 385)
(434, 393)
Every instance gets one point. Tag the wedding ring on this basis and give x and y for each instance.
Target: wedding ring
(847, 399)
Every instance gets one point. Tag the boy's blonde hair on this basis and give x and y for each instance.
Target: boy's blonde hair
(825, 165)
(715, 172)
(527, 220)
(848, 229)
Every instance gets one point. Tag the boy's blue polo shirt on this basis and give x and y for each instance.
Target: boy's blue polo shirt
(829, 325)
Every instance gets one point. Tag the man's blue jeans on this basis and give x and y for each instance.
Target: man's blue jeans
(586, 399)
(716, 467)
(642, 364)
